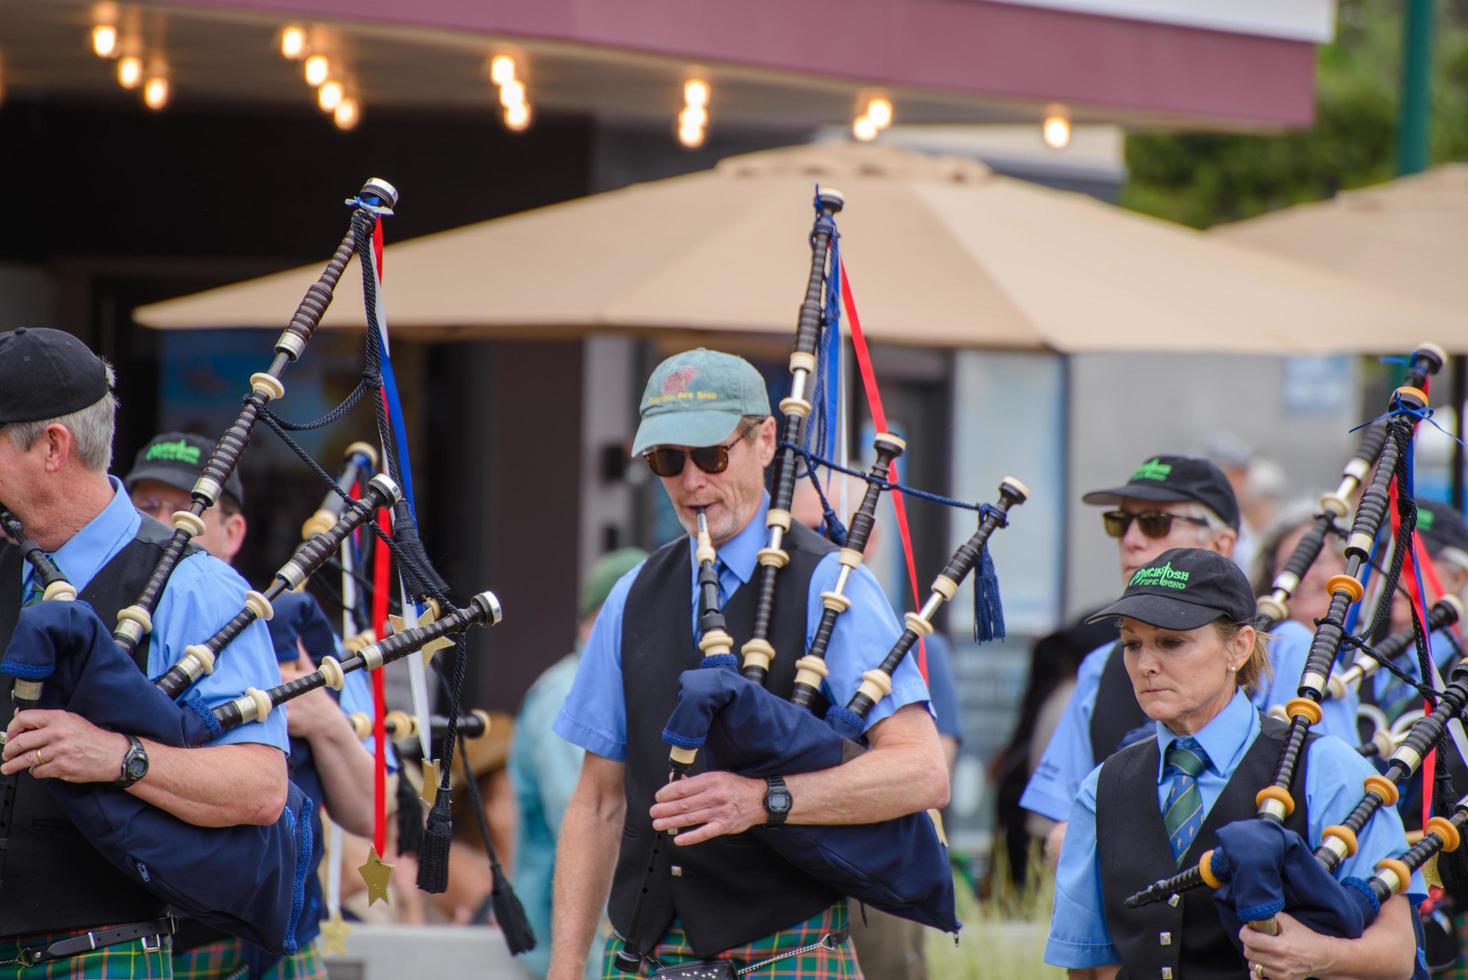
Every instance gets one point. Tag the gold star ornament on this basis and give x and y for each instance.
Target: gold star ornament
(334, 932)
(429, 615)
(376, 874)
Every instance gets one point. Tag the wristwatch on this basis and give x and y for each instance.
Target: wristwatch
(134, 764)
(777, 801)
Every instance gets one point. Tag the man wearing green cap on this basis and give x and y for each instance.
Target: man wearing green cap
(543, 767)
(707, 432)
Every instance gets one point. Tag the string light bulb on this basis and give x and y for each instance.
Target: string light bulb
(318, 70)
(104, 40)
(345, 115)
(517, 117)
(691, 136)
(502, 69)
(879, 111)
(1055, 131)
(864, 129)
(696, 93)
(329, 95)
(129, 71)
(694, 118)
(293, 43)
(155, 92)
(512, 93)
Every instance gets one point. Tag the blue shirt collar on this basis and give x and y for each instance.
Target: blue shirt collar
(740, 553)
(1225, 738)
(83, 556)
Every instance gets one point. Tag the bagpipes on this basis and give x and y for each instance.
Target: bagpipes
(1262, 848)
(724, 712)
(245, 880)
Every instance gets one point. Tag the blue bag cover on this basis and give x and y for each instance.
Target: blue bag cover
(246, 881)
(899, 866)
(1266, 868)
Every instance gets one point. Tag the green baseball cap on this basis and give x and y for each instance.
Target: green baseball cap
(603, 575)
(696, 398)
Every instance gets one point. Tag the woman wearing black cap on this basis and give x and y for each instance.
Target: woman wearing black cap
(1153, 808)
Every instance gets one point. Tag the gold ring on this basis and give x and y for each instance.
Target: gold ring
(1258, 971)
(39, 761)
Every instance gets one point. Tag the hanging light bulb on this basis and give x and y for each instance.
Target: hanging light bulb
(155, 92)
(329, 95)
(293, 43)
(129, 71)
(345, 115)
(879, 111)
(691, 136)
(318, 69)
(693, 117)
(517, 116)
(512, 93)
(1055, 131)
(864, 129)
(502, 69)
(104, 40)
(696, 92)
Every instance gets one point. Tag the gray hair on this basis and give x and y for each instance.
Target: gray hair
(90, 428)
(1205, 513)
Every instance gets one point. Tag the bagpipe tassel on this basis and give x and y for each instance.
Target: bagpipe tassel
(988, 608)
(508, 911)
(410, 818)
(438, 838)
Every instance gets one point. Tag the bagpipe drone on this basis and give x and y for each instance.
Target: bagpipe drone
(248, 881)
(726, 719)
(1260, 867)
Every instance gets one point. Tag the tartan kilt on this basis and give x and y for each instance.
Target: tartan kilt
(124, 961)
(817, 964)
(226, 958)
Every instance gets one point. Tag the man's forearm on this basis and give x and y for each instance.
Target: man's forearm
(345, 766)
(584, 864)
(215, 786)
(878, 785)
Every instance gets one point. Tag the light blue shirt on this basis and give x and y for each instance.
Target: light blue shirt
(1334, 779)
(202, 594)
(1394, 696)
(356, 696)
(1069, 756)
(594, 715)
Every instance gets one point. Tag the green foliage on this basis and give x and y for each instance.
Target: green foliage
(1003, 938)
(1202, 179)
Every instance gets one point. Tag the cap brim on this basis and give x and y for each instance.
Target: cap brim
(1114, 495)
(685, 428)
(1164, 612)
(170, 476)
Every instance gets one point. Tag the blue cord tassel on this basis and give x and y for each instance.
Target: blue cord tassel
(988, 608)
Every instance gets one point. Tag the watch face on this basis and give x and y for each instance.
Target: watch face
(779, 800)
(137, 767)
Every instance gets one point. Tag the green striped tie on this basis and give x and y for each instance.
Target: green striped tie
(1182, 812)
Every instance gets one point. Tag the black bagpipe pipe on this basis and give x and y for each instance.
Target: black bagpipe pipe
(136, 621)
(54, 587)
(810, 670)
(899, 866)
(359, 462)
(757, 652)
(1273, 609)
(402, 727)
(1274, 801)
(198, 659)
(1441, 835)
(1444, 613)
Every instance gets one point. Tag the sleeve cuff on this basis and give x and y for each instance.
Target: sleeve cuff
(589, 738)
(1046, 805)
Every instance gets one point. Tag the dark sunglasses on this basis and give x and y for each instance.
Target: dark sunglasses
(664, 461)
(1154, 523)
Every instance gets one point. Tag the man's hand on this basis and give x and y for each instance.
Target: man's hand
(721, 801)
(313, 711)
(62, 745)
(1294, 954)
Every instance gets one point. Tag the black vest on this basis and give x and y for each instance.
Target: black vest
(50, 877)
(1116, 711)
(1131, 845)
(733, 889)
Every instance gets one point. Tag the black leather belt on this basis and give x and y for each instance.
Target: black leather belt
(155, 929)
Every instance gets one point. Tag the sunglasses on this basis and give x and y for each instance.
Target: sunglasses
(664, 461)
(1154, 523)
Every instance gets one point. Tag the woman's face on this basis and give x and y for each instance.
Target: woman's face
(1310, 601)
(1182, 677)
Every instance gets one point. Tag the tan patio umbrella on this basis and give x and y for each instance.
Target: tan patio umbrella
(940, 250)
(1410, 235)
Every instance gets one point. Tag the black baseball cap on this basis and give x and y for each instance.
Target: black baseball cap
(1441, 526)
(176, 459)
(1183, 589)
(45, 374)
(1167, 479)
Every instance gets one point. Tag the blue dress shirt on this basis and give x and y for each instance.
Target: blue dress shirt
(202, 594)
(594, 715)
(1333, 785)
(1057, 779)
(941, 685)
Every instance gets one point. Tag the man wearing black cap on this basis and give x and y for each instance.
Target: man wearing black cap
(56, 424)
(328, 762)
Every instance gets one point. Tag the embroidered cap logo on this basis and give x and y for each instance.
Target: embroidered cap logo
(1153, 469)
(1161, 577)
(176, 452)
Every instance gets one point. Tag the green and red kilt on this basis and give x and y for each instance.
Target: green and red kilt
(226, 958)
(124, 961)
(822, 963)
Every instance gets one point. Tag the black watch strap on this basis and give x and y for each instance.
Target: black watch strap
(777, 801)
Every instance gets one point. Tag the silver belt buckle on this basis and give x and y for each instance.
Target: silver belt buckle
(157, 946)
